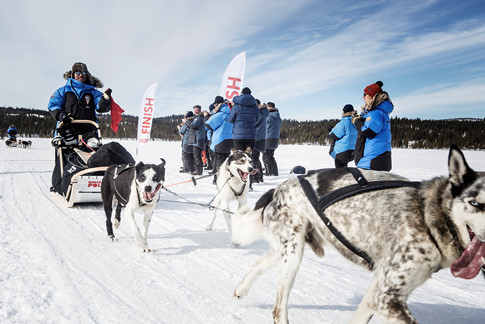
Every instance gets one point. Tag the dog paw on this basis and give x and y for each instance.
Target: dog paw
(147, 250)
(116, 223)
(112, 238)
(208, 228)
(235, 295)
(239, 293)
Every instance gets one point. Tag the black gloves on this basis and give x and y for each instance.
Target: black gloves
(66, 119)
(67, 131)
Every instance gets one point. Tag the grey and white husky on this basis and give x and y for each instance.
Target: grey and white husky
(232, 184)
(408, 233)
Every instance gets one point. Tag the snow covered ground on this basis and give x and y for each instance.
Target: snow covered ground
(58, 266)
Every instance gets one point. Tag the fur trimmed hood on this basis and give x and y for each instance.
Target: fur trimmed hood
(350, 113)
(376, 101)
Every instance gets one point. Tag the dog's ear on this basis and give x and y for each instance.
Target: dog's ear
(139, 166)
(161, 165)
(233, 150)
(460, 172)
(249, 151)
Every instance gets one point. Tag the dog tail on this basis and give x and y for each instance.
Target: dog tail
(247, 224)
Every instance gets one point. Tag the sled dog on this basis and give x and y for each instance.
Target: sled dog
(135, 188)
(407, 232)
(232, 183)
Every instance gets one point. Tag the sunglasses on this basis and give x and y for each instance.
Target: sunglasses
(78, 73)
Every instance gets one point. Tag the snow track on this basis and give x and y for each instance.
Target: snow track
(58, 266)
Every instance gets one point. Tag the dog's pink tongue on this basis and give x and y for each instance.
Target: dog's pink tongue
(472, 259)
(148, 196)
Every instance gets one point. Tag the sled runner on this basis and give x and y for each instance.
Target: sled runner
(80, 168)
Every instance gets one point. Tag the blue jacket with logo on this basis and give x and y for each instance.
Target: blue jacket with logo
(79, 99)
(273, 124)
(347, 135)
(221, 139)
(260, 143)
(378, 123)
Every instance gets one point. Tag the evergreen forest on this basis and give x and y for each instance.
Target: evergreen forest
(467, 133)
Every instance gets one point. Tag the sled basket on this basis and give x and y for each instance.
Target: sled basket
(85, 186)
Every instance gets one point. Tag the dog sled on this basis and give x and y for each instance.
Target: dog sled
(80, 168)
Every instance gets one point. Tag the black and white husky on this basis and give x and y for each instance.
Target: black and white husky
(136, 188)
(403, 234)
(232, 184)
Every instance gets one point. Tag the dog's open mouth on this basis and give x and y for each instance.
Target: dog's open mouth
(472, 259)
(244, 175)
(148, 196)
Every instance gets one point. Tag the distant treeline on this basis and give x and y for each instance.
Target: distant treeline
(406, 133)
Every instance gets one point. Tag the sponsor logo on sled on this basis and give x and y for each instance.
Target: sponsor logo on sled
(94, 184)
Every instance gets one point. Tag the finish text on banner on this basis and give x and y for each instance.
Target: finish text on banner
(145, 119)
(233, 79)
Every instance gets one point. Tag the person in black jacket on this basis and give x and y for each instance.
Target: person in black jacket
(197, 139)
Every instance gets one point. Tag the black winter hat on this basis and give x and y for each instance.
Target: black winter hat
(218, 100)
(189, 114)
(348, 108)
(211, 107)
(246, 91)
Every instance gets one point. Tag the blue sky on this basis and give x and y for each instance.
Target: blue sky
(310, 57)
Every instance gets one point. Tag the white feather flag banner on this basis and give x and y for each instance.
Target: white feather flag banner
(145, 119)
(233, 79)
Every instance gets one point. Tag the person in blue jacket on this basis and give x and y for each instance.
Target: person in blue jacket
(373, 145)
(343, 137)
(260, 144)
(12, 132)
(78, 99)
(273, 124)
(244, 116)
(221, 128)
(197, 139)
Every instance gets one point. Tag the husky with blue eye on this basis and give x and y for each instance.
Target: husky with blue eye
(402, 231)
(136, 188)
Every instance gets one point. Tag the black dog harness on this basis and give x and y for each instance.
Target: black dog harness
(119, 196)
(332, 197)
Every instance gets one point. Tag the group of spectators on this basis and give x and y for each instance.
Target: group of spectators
(208, 136)
(244, 122)
(365, 137)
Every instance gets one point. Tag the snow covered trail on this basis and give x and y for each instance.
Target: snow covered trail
(58, 266)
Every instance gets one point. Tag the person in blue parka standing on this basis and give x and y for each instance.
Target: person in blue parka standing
(244, 116)
(221, 129)
(373, 145)
(260, 144)
(343, 137)
(273, 126)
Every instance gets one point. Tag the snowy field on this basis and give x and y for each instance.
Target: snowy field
(58, 266)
